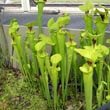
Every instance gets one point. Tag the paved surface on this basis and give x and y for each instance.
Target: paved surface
(76, 19)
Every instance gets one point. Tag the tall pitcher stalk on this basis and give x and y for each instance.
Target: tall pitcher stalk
(58, 36)
(41, 4)
(88, 20)
(88, 84)
(101, 23)
(22, 59)
(71, 58)
(43, 61)
(91, 55)
(62, 50)
(55, 59)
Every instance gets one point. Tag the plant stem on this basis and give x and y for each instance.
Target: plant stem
(108, 80)
(88, 85)
(100, 29)
(55, 48)
(40, 15)
(30, 41)
(75, 69)
(69, 62)
(88, 23)
(100, 71)
(44, 77)
(62, 50)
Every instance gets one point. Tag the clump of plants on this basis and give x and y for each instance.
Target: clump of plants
(51, 65)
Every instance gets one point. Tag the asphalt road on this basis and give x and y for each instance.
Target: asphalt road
(76, 19)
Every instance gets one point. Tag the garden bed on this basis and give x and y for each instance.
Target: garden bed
(16, 95)
(65, 69)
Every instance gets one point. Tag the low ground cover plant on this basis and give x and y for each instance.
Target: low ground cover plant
(15, 93)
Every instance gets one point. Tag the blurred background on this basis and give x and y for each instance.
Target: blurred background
(18, 1)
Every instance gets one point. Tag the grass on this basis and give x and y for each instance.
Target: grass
(15, 94)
